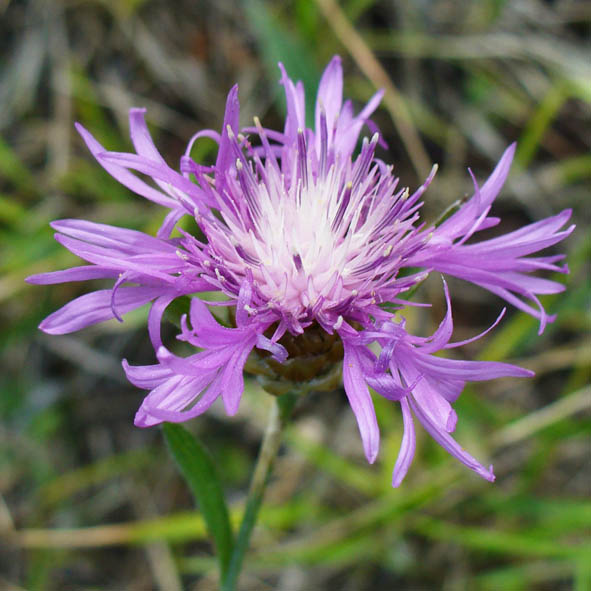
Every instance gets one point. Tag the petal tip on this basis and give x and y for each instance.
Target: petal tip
(451, 422)
(371, 455)
(141, 419)
(49, 328)
(231, 408)
(396, 482)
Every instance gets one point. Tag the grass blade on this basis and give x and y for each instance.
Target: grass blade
(197, 467)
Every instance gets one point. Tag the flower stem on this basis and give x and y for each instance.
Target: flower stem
(280, 412)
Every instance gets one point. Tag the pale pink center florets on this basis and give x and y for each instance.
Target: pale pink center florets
(320, 238)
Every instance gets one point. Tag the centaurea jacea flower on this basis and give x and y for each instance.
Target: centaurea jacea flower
(307, 242)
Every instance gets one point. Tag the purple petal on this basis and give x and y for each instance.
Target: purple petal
(195, 365)
(162, 392)
(155, 318)
(386, 386)
(146, 377)
(84, 273)
(432, 403)
(226, 158)
(361, 402)
(96, 307)
(474, 371)
(526, 240)
(208, 332)
(478, 336)
(232, 384)
(278, 351)
(348, 129)
(151, 265)
(188, 193)
(496, 180)
(443, 333)
(407, 446)
(142, 141)
(157, 415)
(244, 299)
(449, 444)
(140, 136)
(330, 94)
(296, 116)
(121, 240)
(167, 401)
(124, 176)
(169, 223)
(448, 388)
(460, 221)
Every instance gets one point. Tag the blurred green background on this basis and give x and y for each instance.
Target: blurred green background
(88, 501)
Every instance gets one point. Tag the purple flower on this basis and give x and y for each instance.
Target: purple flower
(308, 243)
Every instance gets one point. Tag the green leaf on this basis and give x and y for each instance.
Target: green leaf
(197, 467)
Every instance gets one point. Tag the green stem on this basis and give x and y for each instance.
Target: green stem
(278, 418)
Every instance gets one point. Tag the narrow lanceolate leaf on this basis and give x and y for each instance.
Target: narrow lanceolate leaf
(196, 465)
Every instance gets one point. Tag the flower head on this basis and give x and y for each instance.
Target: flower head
(307, 241)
